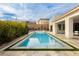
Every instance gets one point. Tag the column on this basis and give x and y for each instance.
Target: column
(69, 28)
(54, 28)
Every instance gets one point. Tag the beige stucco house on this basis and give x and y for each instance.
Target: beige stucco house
(67, 24)
(43, 24)
(42, 21)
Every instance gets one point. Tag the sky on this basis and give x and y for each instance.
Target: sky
(33, 11)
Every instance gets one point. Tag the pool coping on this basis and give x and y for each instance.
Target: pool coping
(42, 49)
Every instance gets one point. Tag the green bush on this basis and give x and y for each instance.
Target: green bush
(9, 30)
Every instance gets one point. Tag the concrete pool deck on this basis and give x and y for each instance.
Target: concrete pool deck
(39, 53)
(74, 42)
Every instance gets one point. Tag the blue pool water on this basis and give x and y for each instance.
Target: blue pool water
(40, 40)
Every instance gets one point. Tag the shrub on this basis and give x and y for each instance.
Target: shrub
(10, 30)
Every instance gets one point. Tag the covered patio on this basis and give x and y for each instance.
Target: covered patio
(68, 24)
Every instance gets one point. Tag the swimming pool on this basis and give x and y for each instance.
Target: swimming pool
(41, 40)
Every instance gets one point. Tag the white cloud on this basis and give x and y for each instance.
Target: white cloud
(7, 8)
(34, 11)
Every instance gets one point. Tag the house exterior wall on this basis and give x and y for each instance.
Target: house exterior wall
(50, 24)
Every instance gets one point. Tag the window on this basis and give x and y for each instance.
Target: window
(59, 26)
(51, 28)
